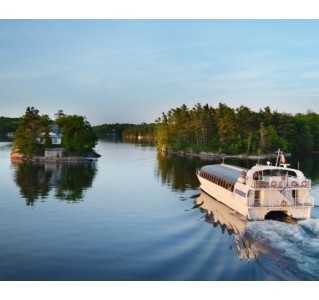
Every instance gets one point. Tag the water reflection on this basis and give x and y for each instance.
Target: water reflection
(178, 172)
(308, 164)
(219, 215)
(67, 180)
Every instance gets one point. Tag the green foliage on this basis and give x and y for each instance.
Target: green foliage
(143, 130)
(111, 129)
(128, 131)
(8, 124)
(240, 130)
(31, 127)
(78, 136)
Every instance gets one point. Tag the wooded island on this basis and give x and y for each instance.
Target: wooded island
(67, 135)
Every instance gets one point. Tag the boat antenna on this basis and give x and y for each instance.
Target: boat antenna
(258, 156)
(277, 157)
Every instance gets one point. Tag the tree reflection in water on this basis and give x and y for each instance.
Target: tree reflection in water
(67, 180)
(178, 171)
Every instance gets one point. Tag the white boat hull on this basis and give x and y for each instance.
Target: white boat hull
(240, 201)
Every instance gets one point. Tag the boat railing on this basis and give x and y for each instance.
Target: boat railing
(279, 183)
(305, 201)
(289, 201)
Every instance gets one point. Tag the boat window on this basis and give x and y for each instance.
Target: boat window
(290, 173)
(276, 173)
(221, 176)
(267, 172)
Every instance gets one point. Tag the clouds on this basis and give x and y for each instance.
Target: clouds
(132, 70)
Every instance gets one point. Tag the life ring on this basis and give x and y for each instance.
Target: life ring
(304, 183)
(273, 184)
(243, 173)
(283, 203)
(262, 184)
(293, 183)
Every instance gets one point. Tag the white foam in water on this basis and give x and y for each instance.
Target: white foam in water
(312, 225)
(294, 246)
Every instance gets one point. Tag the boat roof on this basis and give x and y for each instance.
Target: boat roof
(232, 173)
(227, 172)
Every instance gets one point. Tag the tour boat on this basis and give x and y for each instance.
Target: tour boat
(262, 189)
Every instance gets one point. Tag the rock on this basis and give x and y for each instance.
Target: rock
(16, 155)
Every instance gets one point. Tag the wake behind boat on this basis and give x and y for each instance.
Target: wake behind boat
(223, 216)
(262, 189)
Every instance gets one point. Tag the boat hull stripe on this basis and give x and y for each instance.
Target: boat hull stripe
(240, 193)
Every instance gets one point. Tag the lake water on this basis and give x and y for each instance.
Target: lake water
(131, 216)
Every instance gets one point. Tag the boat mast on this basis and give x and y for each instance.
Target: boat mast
(277, 157)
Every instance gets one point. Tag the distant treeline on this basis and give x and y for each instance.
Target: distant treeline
(8, 124)
(240, 130)
(217, 129)
(128, 131)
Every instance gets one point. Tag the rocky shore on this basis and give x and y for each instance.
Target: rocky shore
(62, 159)
(17, 156)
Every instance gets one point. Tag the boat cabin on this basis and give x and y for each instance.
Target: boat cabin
(262, 176)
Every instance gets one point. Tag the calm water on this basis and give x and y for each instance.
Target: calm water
(132, 216)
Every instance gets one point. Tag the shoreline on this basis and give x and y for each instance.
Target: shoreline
(16, 156)
(216, 156)
(40, 159)
(61, 159)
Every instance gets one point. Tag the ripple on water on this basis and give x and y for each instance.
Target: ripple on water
(293, 246)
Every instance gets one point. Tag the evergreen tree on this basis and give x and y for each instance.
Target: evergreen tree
(227, 128)
(32, 128)
(306, 138)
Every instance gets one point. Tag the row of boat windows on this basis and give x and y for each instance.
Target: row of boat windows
(226, 184)
(282, 173)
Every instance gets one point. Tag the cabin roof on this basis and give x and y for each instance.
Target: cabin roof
(227, 172)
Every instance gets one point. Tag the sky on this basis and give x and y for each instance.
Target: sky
(132, 70)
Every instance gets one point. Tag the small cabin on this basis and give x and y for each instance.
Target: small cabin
(54, 152)
(55, 136)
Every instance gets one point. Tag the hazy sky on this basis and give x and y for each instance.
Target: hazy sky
(133, 70)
